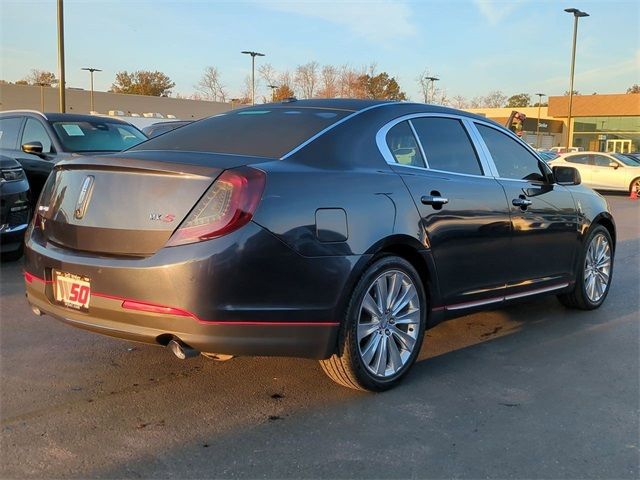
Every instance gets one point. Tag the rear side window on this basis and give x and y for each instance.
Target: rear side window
(447, 146)
(601, 161)
(9, 129)
(581, 159)
(270, 132)
(34, 131)
(512, 160)
(403, 145)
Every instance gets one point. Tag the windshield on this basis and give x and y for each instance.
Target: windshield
(262, 132)
(97, 136)
(627, 160)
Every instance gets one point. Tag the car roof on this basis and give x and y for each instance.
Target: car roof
(358, 105)
(61, 117)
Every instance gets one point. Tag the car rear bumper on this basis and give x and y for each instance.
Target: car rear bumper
(248, 294)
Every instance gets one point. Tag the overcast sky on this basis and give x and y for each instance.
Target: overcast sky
(473, 46)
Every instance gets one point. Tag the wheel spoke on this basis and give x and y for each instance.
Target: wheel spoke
(408, 295)
(381, 293)
(410, 318)
(366, 329)
(380, 362)
(370, 349)
(395, 284)
(370, 305)
(394, 355)
(405, 339)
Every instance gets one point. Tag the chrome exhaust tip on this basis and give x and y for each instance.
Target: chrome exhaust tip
(36, 310)
(181, 350)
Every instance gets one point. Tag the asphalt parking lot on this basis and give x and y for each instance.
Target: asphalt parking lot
(533, 390)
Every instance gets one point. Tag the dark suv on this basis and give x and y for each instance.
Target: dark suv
(40, 140)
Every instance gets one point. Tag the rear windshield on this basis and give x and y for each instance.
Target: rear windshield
(97, 136)
(262, 132)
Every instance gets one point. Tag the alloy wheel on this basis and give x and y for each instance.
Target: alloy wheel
(389, 323)
(597, 267)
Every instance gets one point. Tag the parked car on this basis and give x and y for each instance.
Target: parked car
(331, 229)
(633, 156)
(559, 150)
(39, 140)
(547, 155)
(164, 127)
(604, 171)
(14, 210)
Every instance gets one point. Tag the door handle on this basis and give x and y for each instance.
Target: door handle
(434, 200)
(521, 202)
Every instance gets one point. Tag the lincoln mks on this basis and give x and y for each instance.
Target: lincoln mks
(339, 230)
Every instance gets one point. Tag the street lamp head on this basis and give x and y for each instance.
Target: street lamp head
(272, 87)
(91, 69)
(253, 54)
(433, 79)
(576, 12)
(540, 94)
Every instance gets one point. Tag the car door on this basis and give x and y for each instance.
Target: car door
(543, 216)
(584, 163)
(37, 167)
(463, 212)
(606, 176)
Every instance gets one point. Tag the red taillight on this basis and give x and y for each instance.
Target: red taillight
(153, 308)
(226, 206)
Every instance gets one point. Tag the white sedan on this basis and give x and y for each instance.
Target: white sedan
(604, 171)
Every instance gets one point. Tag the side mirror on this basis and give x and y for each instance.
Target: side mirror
(32, 147)
(614, 165)
(566, 175)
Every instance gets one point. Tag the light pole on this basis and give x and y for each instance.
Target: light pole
(61, 80)
(433, 86)
(91, 70)
(540, 95)
(253, 72)
(576, 15)
(273, 92)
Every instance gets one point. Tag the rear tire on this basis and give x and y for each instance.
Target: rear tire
(384, 327)
(635, 184)
(595, 271)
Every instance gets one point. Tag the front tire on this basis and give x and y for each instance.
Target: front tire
(594, 274)
(384, 327)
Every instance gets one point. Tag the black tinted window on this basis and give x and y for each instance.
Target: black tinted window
(9, 128)
(446, 145)
(34, 131)
(601, 160)
(268, 132)
(403, 145)
(581, 159)
(511, 159)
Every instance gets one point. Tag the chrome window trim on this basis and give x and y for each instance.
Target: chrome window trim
(333, 125)
(415, 135)
(381, 142)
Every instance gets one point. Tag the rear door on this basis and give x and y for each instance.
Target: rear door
(463, 212)
(543, 216)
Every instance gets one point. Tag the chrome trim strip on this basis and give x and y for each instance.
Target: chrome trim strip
(536, 291)
(415, 134)
(15, 228)
(432, 170)
(333, 125)
(461, 306)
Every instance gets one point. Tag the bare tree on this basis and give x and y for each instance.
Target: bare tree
(439, 96)
(211, 87)
(458, 101)
(495, 99)
(329, 87)
(306, 79)
(268, 74)
(349, 82)
(476, 102)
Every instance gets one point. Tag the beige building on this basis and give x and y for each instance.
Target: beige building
(605, 123)
(15, 97)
